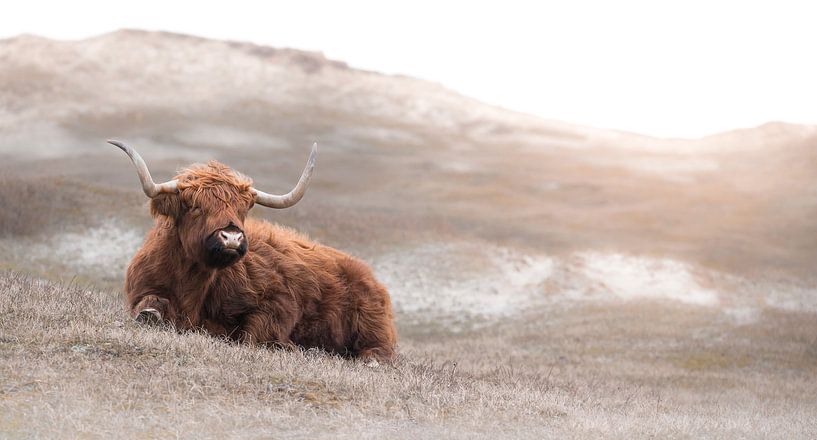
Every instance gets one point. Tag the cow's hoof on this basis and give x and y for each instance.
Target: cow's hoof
(149, 316)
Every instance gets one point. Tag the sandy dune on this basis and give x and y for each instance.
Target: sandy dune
(613, 284)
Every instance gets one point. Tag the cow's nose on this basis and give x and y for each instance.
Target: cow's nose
(231, 239)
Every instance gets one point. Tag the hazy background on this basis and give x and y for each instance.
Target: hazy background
(665, 69)
(570, 270)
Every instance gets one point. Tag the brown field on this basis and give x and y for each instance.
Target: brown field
(550, 281)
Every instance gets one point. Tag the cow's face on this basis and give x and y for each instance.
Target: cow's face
(208, 213)
(206, 206)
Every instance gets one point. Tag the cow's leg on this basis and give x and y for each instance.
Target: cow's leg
(377, 342)
(215, 328)
(266, 327)
(372, 336)
(152, 309)
(376, 335)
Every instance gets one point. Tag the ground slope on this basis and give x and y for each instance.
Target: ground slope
(548, 279)
(72, 365)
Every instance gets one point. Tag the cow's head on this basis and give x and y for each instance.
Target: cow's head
(207, 205)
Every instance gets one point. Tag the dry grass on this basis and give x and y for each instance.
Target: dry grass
(403, 166)
(37, 204)
(33, 206)
(73, 366)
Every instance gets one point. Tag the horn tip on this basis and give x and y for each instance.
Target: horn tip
(116, 143)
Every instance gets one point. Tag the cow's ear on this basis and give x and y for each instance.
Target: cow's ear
(167, 204)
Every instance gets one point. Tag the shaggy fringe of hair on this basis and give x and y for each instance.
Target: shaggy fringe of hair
(213, 179)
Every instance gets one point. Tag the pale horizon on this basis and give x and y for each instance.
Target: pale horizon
(666, 71)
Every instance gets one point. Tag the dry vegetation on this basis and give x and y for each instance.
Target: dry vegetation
(72, 365)
(549, 280)
(39, 205)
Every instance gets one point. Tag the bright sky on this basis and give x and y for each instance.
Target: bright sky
(670, 69)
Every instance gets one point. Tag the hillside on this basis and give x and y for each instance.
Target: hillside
(238, 87)
(549, 279)
(73, 366)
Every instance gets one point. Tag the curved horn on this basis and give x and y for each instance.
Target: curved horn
(150, 188)
(292, 197)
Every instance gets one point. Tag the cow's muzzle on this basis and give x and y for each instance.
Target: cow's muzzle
(225, 246)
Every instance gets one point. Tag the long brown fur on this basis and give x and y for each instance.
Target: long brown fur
(287, 290)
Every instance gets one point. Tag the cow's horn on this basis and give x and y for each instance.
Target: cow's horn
(150, 188)
(292, 197)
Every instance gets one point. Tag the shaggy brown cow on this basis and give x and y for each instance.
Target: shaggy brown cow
(205, 265)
